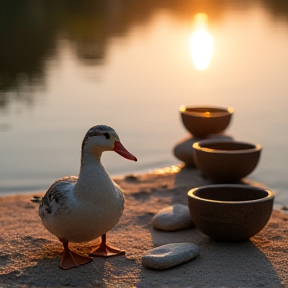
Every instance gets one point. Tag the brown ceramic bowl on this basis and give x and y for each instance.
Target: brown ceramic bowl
(230, 212)
(201, 121)
(226, 161)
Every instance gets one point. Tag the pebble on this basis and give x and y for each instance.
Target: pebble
(169, 255)
(183, 149)
(131, 177)
(173, 218)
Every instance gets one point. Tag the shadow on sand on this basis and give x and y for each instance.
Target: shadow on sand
(220, 264)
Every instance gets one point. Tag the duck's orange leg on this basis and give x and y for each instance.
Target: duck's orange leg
(106, 250)
(71, 259)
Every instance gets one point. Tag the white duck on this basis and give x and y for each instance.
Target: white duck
(80, 209)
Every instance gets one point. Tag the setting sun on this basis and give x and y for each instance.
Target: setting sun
(201, 43)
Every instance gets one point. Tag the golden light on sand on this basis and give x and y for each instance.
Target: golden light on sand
(201, 43)
(168, 170)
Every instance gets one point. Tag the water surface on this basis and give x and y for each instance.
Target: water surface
(68, 65)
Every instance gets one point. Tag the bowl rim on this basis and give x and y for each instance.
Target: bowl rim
(197, 146)
(225, 110)
(271, 195)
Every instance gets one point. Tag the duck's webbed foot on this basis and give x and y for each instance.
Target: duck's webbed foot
(71, 259)
(106, 250)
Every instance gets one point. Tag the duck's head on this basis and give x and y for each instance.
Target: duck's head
(102, 138)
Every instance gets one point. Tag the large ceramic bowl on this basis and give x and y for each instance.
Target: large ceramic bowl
(230, 212)
(201, 121)
(226, 161)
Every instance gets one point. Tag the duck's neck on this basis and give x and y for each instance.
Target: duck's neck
(93, 178)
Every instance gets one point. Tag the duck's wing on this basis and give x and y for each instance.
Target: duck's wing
(56, 196)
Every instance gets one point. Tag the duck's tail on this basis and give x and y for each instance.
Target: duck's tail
(36, 199)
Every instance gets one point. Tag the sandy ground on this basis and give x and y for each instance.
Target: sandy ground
(29, 255)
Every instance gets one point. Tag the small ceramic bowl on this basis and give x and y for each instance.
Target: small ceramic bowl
(201, 121)
(226, 161)
(230, 212)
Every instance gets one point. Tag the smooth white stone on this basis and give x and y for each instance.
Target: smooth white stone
(169, 255)
(176, 217)
(184, 151)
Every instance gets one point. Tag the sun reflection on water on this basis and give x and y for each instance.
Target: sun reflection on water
(201, 42)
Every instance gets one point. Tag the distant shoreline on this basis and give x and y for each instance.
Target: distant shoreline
(277, 205)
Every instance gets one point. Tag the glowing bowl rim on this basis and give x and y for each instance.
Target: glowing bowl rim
(197, 146)
(226, 111)
(270, 196)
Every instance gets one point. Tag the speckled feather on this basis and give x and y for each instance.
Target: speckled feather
(56, 193)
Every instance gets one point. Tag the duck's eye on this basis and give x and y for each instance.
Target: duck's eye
(107, 136)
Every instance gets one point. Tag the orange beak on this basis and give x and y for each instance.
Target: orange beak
(121, 150)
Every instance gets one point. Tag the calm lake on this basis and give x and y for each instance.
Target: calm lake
(66, 66)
